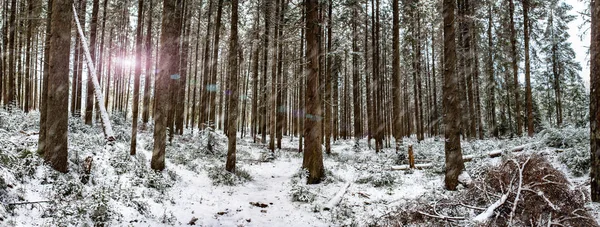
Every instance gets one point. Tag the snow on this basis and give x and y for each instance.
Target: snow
(134, 195)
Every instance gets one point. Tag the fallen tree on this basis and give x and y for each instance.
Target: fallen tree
(337, 198)
(106, 126)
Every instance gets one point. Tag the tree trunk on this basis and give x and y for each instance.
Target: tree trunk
(57, 116)
(356, 85)
(148, 65)
(515, 67)
(454, 161)
(45, 76)
(313, 156)
(528, 94)
(233, 87)
(396, 89)
(169, 41)
(136, 79)
(89, 103)
(595, 101)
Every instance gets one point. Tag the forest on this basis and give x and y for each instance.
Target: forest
(299, 113)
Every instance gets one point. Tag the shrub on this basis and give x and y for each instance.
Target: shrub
(220, 176)
(577, 160)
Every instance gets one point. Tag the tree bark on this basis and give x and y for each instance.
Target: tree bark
(148, 43)
(57, 115)
(515, 67)
(136, 79)
(169, 41)
(595, 101)
(233, 87)
(313, 156)
(454, 162)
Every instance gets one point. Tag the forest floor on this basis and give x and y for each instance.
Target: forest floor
(268, 189)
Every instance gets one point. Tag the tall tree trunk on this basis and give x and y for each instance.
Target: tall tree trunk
(45, 76)
(148, 65)
(57, 116)
(515, 67)
(89, 103)
(79, 98)
(396, 87)
(205, 91)
(28, 59)
(136, 79)
(328, 78)
(595, 101)
(255, 95)
(215, 59)
(11, 90)
(356, 85)
(263, 120)
(313, 156)
(491, 81)
(169, 59)
(528, 94)
(233, 87)
(274, 93)
(454, 161)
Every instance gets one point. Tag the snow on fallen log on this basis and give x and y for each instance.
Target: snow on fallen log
(417, 166)
(106, 126)
(496, 153)
(489, 212)
(337, 198)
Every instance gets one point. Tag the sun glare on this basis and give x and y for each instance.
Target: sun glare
(126, 62)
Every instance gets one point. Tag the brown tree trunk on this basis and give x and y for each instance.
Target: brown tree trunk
(528, 94)
(169, 41)
(148, 65)
(515, 67)
(215, 59)
(205, 91)
(491, 81)
(273, 94)
(595, 101)
(313, 156)
(454, 161)
(264, 104)
(11, 90)
(45, 76)
(327, 96)
(233, 87)
(255, 95)
(356, 85)
(89, 103)
(79, 98)
(57, 115)
(136, 79)
(396, 87)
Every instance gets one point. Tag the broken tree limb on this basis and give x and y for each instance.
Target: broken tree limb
(106, 126)
(417, 166)
(489, 212)
(337, 198)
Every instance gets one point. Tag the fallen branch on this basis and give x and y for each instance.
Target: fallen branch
(33, 202)
(337, 198)
(449, 218)
(489, 212)
(417, 166)
(106, 126)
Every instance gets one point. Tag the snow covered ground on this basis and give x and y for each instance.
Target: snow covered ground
(269, 189)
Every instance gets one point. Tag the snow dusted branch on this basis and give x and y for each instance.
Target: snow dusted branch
(337, 198)
(106, 126)
(489, 212)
